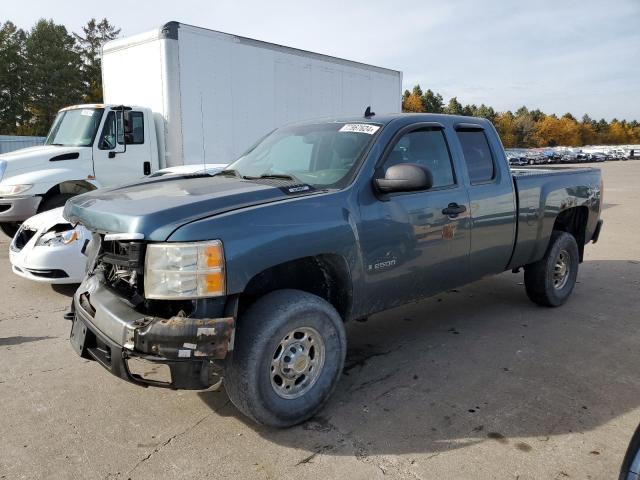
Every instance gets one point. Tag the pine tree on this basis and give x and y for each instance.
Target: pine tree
(89, 46)
(13, 75)
(53, 80)
(432, 102)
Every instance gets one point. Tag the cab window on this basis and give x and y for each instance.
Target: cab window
(428, 148)
(477, 156)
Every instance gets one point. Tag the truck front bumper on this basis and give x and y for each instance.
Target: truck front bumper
(176, 352)
(18, 209)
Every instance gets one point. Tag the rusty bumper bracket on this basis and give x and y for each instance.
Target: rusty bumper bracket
(184, 337)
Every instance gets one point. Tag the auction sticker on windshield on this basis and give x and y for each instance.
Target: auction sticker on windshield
(360, 128)
(87, 113)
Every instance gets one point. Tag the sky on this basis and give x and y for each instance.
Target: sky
(560, 56)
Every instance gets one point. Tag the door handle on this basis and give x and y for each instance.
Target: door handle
(146, 168)
(453, 210)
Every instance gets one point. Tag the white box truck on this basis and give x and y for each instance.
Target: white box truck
(183, 95)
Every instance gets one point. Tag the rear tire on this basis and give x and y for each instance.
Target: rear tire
(288, 356)
(550, 281)
(54, 201)
(9, 228)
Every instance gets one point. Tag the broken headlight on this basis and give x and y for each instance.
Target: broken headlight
(57, 239)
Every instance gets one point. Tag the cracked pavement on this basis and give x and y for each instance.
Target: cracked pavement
(475, 383)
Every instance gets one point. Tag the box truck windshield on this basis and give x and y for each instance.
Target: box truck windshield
(75, 127)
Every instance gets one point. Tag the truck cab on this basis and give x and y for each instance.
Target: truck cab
(88, 146)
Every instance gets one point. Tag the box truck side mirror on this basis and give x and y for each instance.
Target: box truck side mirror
(121, 129)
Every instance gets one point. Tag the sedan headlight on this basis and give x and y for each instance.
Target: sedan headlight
(184, 270)
(56, 239)
(13, 189)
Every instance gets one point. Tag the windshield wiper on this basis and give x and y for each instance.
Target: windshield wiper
(282, 176)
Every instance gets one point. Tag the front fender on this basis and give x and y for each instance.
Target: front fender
(262, 237)
(44, 180)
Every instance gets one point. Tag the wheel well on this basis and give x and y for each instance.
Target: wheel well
(73, 187)
(574, 221)
(326, 276)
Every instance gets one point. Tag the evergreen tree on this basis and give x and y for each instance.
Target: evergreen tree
(454, 107)
(89, 46)
(432, 102)
(53, 80)
(13, 75)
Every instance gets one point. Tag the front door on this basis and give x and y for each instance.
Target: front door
(416, 244)
(113, 164)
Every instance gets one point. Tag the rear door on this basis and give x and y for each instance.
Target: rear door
(113, 164)
(414, 244)
(491, 198)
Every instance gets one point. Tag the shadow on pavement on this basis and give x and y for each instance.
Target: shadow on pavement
(6, 341)
(67, 290)
(481, 363)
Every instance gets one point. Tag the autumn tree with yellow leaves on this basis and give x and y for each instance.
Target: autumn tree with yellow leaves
(530, 128)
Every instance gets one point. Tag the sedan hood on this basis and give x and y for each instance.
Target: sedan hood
(155, 208)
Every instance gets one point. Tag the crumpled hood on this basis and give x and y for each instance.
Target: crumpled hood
(155, 208)
(46, 219)
(31, 158)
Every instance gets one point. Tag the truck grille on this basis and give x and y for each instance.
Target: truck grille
(123, 266)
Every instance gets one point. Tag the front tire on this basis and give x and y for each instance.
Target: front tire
(289, 352)
(10, 228)
(550, 281)
(54, 201)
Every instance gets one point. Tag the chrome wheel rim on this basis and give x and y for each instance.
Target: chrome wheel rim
(297, 362)
(561, 270)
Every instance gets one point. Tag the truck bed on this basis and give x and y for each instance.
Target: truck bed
(528, 172)
(543, 192)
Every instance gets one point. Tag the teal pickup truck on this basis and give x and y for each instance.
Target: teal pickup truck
(246, 277)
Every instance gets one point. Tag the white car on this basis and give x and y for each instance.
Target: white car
(49, 249)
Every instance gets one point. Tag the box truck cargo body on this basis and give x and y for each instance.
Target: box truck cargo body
(181, 95)
(214, 94)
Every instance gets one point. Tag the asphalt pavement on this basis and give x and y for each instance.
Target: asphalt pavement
(475, 383)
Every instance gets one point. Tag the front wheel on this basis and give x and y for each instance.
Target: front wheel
(54, 201)
(9, 228)
(550, 281)
(289, 352)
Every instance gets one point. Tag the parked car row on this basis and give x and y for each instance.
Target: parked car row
(521, 157)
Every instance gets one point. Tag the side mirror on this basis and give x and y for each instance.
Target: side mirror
(405, 177)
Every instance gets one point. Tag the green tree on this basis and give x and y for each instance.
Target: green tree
(89, 45)
(454, 107)
(486, 112)
(53, 73)
(13, 75)
(432, 102)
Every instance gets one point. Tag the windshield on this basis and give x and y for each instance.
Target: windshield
(322, 155)
(75, 128)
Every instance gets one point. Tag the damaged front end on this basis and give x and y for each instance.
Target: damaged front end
(174, 344)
